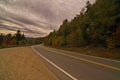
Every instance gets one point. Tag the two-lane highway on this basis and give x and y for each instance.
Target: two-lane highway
(69, 65)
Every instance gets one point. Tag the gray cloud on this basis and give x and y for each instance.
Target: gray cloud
(8, 28)
(37, 17)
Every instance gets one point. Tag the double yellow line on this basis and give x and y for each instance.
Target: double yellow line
(85, 60)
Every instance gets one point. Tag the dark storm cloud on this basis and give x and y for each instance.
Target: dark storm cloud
(37, 16)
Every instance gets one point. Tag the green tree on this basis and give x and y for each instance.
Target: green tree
(88, 6)
(1, 38)
(62, 41)
(64, 28)
(71, 39)
(19, 36)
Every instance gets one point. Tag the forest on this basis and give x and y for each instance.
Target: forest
(97, 24)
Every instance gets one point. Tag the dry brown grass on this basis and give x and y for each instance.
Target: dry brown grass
(22, 63)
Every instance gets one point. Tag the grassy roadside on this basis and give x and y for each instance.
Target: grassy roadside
(94, 51)
(22, 63)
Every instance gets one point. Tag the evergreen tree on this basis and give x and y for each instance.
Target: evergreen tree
(1, 38)
(19, 36)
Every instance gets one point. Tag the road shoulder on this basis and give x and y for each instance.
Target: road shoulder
(22, 63)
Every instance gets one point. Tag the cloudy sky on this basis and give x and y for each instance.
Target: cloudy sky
(36, 18)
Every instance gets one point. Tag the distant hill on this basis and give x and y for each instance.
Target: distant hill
(97, 24)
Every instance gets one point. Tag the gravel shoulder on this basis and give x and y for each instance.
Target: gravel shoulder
(22, 63)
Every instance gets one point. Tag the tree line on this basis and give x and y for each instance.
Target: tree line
(97, 24)
(10, 39)
(18, 39)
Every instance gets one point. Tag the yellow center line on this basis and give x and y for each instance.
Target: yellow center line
(86, 60)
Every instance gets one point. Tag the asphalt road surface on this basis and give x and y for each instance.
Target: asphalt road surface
(67, 65)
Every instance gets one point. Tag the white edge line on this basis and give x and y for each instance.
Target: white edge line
(55, 65)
